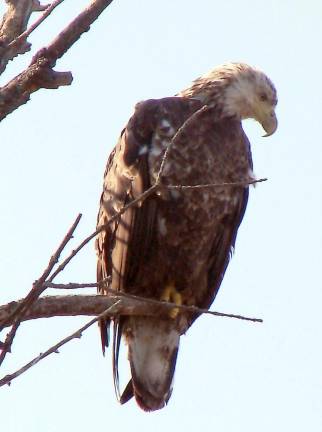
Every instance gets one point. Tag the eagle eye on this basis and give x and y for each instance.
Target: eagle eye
(263, 97)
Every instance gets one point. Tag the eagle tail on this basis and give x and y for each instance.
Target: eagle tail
(153, 347)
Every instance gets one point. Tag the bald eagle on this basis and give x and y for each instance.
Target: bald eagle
(176, 244)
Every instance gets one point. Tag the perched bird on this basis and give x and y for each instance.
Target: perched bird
(176, 244)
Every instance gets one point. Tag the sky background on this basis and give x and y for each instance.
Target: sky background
(231, 375)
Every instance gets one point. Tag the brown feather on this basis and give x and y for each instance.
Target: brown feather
(181, 237)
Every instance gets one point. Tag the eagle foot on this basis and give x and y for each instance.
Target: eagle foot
(170, 294)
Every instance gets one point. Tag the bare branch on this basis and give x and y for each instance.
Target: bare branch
(37, 288)
(54, 349)
(72, 32)
(69, 305)
(75, 285)
(211, 185)
(129, 304)
(40, 73)
(39, 285)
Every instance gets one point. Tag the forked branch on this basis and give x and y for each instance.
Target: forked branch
(40, 74)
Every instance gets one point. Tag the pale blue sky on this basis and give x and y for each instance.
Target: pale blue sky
(231, 376)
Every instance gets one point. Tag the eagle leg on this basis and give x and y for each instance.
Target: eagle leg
(170, 294)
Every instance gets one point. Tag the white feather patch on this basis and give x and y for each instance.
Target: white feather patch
(152, 348)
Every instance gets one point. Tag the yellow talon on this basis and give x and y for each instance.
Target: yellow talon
(170, 294)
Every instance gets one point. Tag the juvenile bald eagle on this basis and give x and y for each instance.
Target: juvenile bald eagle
(176, 245)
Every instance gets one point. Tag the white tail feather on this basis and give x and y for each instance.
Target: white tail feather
(153, 346)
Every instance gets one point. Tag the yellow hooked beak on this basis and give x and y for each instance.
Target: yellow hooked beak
(269, 123)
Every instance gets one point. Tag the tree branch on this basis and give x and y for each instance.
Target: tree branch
(14, 47)
(72, 32)
(124, 304)
(75, 305)
(40, 73)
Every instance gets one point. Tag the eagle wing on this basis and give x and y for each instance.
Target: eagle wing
(224, 242)
(126, 177)
(222, 249)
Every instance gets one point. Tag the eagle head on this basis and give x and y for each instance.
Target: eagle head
(238, 90)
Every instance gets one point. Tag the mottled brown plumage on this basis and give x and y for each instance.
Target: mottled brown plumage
(180, 239)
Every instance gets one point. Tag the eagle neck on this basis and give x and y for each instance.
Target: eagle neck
(213, 96)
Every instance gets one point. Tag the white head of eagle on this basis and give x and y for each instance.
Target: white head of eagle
(240, 90)
(176, 245)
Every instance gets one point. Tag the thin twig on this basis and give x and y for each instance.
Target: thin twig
(211, 185)
(37, 288)
(141, 198)
(181, 307)
(39, 285)
(54, 349)
(74, 285)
